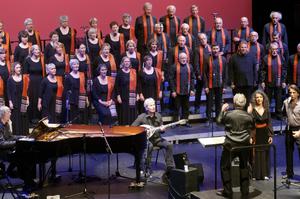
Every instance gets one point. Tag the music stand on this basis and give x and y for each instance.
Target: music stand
(84, 193)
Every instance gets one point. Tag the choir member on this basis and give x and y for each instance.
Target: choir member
(5, 42)
(67, 35)
(156, 55)
(171, 24)
(94, 24)
(201, 53)
(4, 74)
(126, 91)
(34, 35)
(126, 28)
(84, 61)
(214, 81)
(219, 35)
(274, 76)
(282, 47)
(22, 49)
(243, 32)
(60, 60)
(274, 26)
(144, 27)
(195, 22)
(17, 85)
(49, 88)
(162, 38)
(182, 86)
(256, 49)
(107, 59)
(293, 72)
(103, 96)
(34, 66)
(190, 39)
(75, 92)
(150, 82)
(116, 41)
(243, 71)
(135, 57)
(50, 47)
(93, 44)
(259, 108)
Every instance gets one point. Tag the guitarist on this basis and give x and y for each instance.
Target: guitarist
(152, 118)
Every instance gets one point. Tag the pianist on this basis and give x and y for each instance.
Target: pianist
(7, 147)
(153, 118)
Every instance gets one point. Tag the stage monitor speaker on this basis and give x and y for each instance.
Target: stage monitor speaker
(183, 182)
(180, 160)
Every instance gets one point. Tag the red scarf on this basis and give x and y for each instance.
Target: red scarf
(168, 27)
(178, 76)
(210, 76)
(191, 24)
(270, 67)
(295, 64)
(146, 27)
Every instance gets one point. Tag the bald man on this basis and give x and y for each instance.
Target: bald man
(243, 32)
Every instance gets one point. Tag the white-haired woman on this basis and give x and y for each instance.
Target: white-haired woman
(126, 28)
(47, 94)
(75, 92)
(18, 99)
(126, 91)
(67, 35)
(34, 35)
(34, 66)
(93, 44)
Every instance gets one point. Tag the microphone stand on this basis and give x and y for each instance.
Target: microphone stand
(109, 152)
(84, 193)
(68, 122)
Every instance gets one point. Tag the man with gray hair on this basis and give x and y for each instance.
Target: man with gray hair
(153, 118)
(171, 24)
(238, 126)
(34, 35)
(274, 26)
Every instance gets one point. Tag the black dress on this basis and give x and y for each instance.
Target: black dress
(92, 50)
(126, 113)
(20, 54)
(114, 48)
(262, 156)
(49, 52)
(100, 91)
(19, 120)
(4, 75)
(126, 33)
(35, 71)
(47, 93)
(60, 66)
(65, 39)
(147, 85)
(99, 61)
(73, 84)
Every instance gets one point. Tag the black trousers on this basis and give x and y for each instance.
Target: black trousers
(199, 88)
(226, 167)
(246, 90)
(216, 93)
(289, 150)
(275, 92)
(162, 144)
(181, 101)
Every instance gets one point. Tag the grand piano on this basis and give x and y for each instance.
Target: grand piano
(51, 144)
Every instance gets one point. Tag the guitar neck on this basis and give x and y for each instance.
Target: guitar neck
(171, 124)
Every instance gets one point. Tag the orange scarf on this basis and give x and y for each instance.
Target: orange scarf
(38, 38)
(213, 36)
(110, 87)
(82, 90)
(178, 76)
(176, 54)
(122, 43)
(159, 60)
(247, 32)
(201, 57)
(146, 27)
(72, 47)
(25, 85)
(270, 67)
(191, 24)
(271, 29)
(131, 33)
(42, 60)
(113, 66)
(164, 40)
(257, 51)
(168, 27)
(1, 88)
(158, 81)
(99, 36)
(210, 76)
(89, 72)
(60, 87)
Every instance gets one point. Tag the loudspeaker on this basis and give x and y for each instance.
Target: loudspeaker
(183, 182)
(200, 173)
(180, 160)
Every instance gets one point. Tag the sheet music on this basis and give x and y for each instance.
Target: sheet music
(211, 141)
